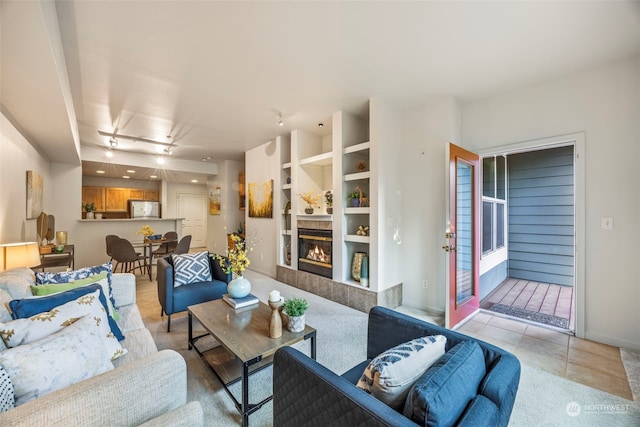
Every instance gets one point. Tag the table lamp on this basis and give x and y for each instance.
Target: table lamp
(24, 254)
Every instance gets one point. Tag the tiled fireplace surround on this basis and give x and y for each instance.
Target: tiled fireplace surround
(359, 298)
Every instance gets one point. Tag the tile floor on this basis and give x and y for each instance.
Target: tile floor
(593, 364)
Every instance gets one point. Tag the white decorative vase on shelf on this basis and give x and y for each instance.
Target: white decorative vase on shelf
(239, 287)
(90, 215)
(98, 215)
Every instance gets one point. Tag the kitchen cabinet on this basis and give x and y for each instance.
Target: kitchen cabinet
(94, 195)
(116, 199)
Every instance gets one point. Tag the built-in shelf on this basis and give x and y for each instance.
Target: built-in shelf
(323, 159)
(357, 210)
(283, 212)
(357, 176)
(358, 147)
(286, 232)
(286, 165)
(357, 239)
(286, 186)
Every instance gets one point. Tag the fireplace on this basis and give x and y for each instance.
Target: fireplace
(314, 251)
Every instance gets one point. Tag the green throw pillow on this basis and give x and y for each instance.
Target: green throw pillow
(54, 288)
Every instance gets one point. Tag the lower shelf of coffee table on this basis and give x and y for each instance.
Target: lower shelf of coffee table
(228, 368)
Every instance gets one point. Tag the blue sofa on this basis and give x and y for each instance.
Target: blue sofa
(176, 300)
(306, 393)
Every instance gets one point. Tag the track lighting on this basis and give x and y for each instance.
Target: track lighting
(113, 142)
(280, 122)
(168, 151)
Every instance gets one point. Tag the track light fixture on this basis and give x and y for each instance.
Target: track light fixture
(280, 122)
(168, 151)
(113, 142)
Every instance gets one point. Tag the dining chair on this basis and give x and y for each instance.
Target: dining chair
(126, 257)
(109, 238)
(183, 245)
(169, 246)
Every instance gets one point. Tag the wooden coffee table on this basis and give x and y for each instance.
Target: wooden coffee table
(245, 346)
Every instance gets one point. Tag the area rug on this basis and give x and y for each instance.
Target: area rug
(543, 399)
(631, 362)
(534, 316)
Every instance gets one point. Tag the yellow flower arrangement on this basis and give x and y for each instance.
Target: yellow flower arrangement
(237, 259)
(146, 231)
(311, 199)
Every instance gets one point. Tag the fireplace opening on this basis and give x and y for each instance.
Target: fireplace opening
(314, 251)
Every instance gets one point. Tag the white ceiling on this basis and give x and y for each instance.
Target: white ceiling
(214, 75)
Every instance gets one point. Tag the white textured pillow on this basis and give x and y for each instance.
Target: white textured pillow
(191, 268)
(391, 374)
(24, 331)
(57, 361)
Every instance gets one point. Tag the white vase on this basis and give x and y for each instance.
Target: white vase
(89, 215)
(98, 215)
(296, 324)
(239, 287)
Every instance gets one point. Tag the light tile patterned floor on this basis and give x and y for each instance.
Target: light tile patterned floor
(593, 364)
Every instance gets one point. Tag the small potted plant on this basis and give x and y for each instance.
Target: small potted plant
(89, 208)
(294, 309)
(328, 199)
(311, 200)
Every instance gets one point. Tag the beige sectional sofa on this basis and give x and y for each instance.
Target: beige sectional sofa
(147, 387)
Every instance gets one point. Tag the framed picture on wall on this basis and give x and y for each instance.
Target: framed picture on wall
(34, 194)
(261, 199)
(215, 196)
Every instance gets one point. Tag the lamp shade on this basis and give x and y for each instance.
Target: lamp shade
(25, 254)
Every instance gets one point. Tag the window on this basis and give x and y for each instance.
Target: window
(494, 200)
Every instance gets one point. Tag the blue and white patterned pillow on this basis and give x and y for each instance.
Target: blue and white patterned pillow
(191, 268)
(390, 375)
(46, 278)
(7, 398)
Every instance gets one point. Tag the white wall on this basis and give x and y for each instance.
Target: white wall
(230, 214)
(428, 130)
(604, 103)
(17, 157)
(262, 164)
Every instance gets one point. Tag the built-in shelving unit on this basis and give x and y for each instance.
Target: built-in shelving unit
(284, 186)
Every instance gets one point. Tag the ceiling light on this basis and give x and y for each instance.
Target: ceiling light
(109, 153)
(100, 172)
(130, 171)
(153, 176)
(113, 142)
(125, 176)
(160, 160)
(280, 122)
(320, 125)
(194, 181)
(168, 151)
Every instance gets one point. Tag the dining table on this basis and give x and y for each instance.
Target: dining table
(147, 246)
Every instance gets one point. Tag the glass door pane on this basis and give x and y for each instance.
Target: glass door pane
(464, 238)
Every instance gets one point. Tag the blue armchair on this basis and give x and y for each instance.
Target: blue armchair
(306, 393)
(176, 300)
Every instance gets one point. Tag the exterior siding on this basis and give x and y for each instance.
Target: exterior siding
(541, 216)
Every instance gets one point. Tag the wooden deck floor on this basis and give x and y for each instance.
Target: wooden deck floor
(553, 300)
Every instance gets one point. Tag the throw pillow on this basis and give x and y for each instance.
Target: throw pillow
(5, 316)
(27, 307)
(441, 395)
(27, 330)
(101, 278)
(191, 268)
(7, 398)
(44, 278)
(391, 374)
(57, 361)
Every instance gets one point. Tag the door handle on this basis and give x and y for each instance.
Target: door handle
(448, 248)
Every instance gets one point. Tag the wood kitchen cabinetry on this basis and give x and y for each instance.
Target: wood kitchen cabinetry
(94, 195)
(116, 199)
(112, 199)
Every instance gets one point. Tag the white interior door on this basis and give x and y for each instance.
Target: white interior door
(193, 208)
